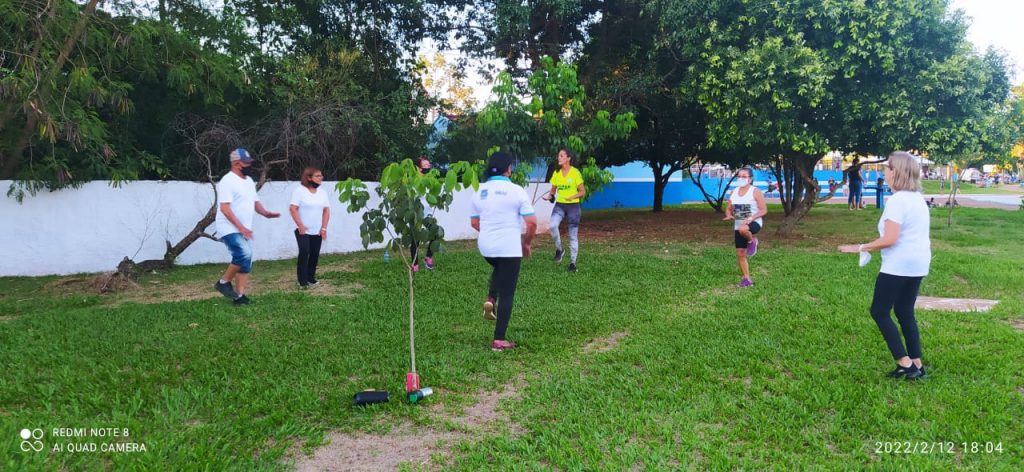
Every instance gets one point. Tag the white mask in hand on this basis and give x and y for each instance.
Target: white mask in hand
(865, 257)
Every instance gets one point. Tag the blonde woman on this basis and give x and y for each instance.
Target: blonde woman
(905, 244)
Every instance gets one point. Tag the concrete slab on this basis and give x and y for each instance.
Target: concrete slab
(955, 304)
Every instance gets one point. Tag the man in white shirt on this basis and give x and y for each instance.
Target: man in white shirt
(498, 207)
(237, 204)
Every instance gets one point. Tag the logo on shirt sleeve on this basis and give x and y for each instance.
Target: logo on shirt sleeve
(483, 194)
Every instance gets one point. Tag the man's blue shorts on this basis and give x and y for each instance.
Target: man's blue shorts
(241, 251)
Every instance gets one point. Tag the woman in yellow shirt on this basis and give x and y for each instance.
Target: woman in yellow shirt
(566, 191)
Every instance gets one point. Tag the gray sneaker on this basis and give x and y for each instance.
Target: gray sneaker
(225, 289)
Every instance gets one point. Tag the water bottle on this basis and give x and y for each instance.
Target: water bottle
(387, 256)
(369, 397)
(420, 394)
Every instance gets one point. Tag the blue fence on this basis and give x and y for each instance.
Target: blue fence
(634, 187)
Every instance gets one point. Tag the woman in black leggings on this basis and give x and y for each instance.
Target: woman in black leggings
(905, 244)
(500, 208)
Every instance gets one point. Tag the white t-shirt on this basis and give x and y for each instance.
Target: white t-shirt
(500, 205)
(311, 208)
(240, 192)
(911, 256)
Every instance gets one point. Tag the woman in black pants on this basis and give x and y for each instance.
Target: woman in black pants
(311, 210)
(906, 257)
(498, 208)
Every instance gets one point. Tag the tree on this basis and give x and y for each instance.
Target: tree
(625, 67)
(522, 33)
(65, 103)
(803, 78)
(445, 83)
(554, 118)
(400, 217)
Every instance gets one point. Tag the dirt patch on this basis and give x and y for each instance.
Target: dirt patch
(1020, 390)
(350, 267)
(604, 344)
(1016, 324)
(955, 304)
(413, 445)
(7, 318)
(646, 226)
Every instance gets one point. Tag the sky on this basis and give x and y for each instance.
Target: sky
(997, 23)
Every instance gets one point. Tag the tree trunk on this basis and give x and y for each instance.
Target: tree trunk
(659, 188)
(800, 188)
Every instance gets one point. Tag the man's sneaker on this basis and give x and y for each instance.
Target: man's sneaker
(225, 289)
(501, 345)
(745, 282)
(489, 309)
(242, 300)
(428, 262)
(314, 282)
(572, 267)
(558, 255)
(752, 247)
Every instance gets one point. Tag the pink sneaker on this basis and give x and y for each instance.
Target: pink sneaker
(501, 345)
(489, 309)
(745, 282)
(415, 268)
(752, 247)
(429, 263)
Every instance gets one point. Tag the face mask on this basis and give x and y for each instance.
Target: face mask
(313, 184)
(247, 171)
(743, 181)
(424, 170)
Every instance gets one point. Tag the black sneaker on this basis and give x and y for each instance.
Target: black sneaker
(225, 289)
(243, 300)
(572, 267)
(558, 255)
(908, 373)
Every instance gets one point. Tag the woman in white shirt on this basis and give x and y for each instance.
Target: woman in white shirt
(746, 207)
(905, 244)
(311, 211)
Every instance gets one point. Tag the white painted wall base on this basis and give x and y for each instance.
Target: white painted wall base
(90, 229)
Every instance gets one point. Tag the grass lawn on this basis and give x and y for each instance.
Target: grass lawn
(932, 187)
(787, 375)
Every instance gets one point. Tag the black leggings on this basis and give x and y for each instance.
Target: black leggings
(503, 290)
(414, 248)
(309, 256)
(896, 293)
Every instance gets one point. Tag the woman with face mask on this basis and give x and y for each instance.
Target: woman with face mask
(423, 164)
(311, 210)
(746, 207)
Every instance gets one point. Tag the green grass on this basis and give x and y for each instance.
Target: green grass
(787, 375)
(932, 187)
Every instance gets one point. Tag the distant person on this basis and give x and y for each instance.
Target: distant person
(746, 207)
(831, 185)
(498, 208)
(423, 164)
(311, 210)
(567, 190)
(905, 244)
(237, 205)
(856, 180)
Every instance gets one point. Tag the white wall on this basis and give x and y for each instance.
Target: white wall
(90, 229)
